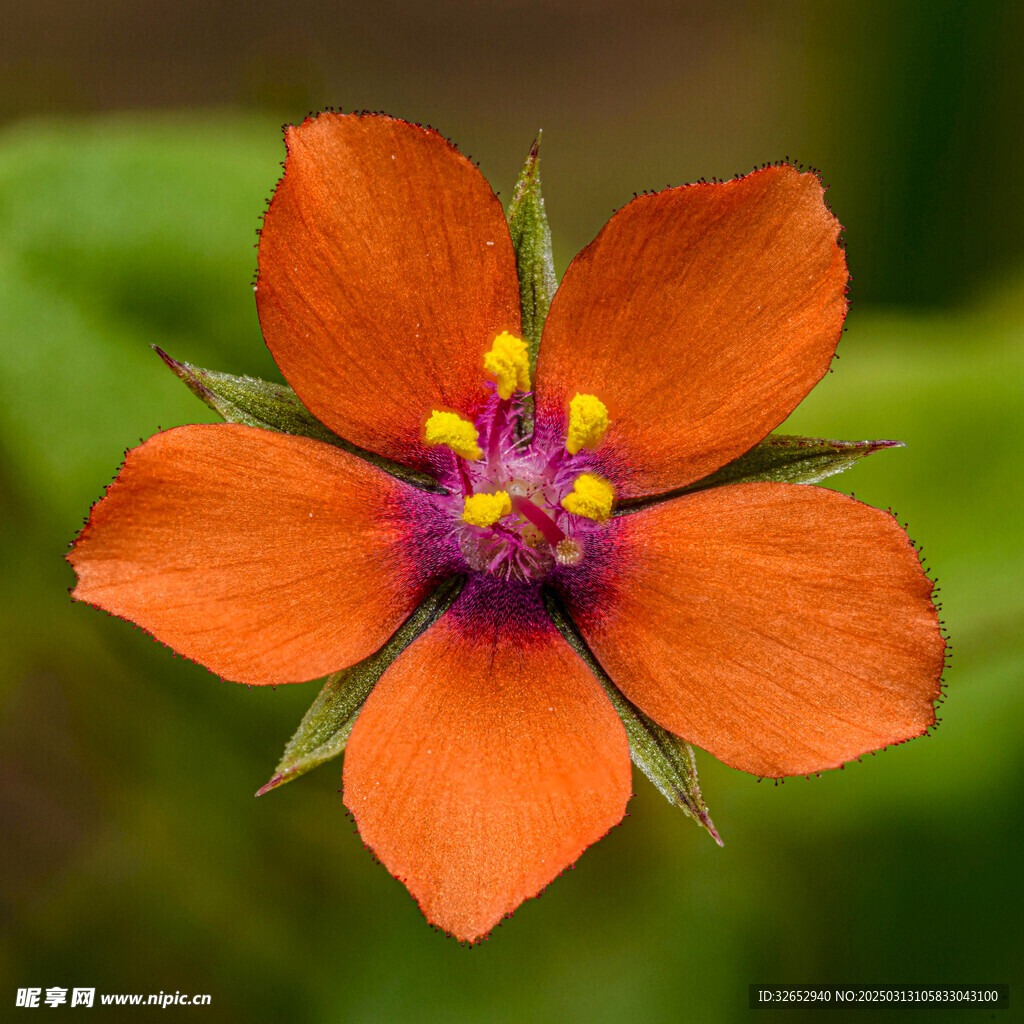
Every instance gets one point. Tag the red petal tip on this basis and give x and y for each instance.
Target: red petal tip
(276, 781)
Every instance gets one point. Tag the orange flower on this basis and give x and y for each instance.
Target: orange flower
(786, 629)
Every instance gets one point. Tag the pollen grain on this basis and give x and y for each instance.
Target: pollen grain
(509, 361)
(588, 423)
(591, 497)
(486, 509)
(448, 428)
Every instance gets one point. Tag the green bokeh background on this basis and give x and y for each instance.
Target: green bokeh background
(138, 146)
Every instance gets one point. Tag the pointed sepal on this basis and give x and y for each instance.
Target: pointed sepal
(664, 758)
(325, 728)
(779, 458)
(531, 240)
(269, 406)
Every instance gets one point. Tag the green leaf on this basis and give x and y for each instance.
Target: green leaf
(259, 403)
(665, 759)
(325, 728)
(531, 240)
(779, 458)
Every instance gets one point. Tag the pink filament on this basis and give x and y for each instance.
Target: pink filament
(547, 526)
(494, 436)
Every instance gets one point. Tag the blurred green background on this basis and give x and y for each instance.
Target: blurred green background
(138, 144)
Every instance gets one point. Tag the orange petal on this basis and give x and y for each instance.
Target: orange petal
(266, 558)
(701, 316)
(385, 272)
(486, 760)
(784, 628)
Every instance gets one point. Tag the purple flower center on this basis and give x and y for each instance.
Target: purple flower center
(526, 480)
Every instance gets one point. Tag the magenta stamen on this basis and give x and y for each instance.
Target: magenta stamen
(523, 544)
(547, 526)
(494, 437)
(553, 464)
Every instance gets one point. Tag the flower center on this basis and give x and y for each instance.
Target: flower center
(519, 507)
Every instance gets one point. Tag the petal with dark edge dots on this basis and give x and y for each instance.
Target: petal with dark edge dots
(701, 316)
(385, 272)
(783, 628)
(265, 557)
(486, 760)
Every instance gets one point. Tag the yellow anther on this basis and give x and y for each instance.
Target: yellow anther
(588, 423)
(591, 497)
(485, 509)
(509, 361)
(452, 430)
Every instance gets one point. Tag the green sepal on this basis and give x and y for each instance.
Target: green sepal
(664, 758)
(531, 240)
(326, 726)
(259, 403)
(779, 458)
